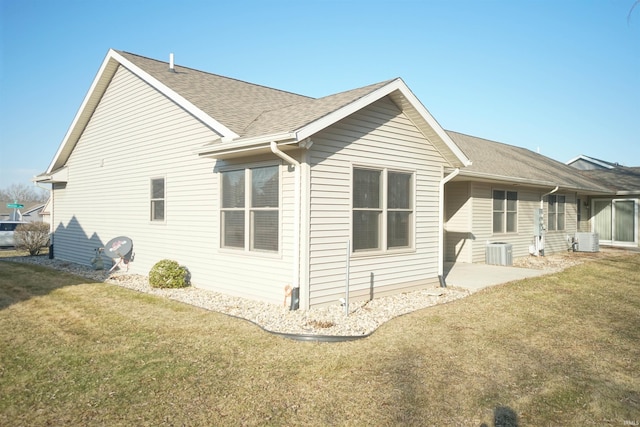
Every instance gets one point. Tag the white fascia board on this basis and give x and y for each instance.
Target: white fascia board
(178, 99)
(433, 123)
(506, 179)
(524, 181)
(247, 144)
(590, 160)
(61, 175)
(106, 71)
(395, 85)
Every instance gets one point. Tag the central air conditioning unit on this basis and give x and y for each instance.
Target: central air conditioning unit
(587, 242)
(499, 254)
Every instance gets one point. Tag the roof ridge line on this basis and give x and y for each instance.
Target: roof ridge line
(216, 75)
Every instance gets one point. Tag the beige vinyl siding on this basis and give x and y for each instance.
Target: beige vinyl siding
(556, 241)
(136, 134)
(528, 200)
(458, 224)
(585, 224)
(482, 225)
(379, 136)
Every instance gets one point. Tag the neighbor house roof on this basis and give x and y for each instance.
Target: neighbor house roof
(495, 161)
(245, 116)
(592, 162)
(621, 179)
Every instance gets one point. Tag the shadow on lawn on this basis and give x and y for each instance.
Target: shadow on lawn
(503, 416)
(409, 389)
(22, 281)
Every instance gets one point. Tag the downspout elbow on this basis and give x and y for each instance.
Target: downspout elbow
(284, 156)
(546, 194)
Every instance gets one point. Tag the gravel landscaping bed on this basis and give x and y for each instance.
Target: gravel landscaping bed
(364, 317)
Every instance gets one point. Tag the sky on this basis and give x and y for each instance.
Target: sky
(560, 77)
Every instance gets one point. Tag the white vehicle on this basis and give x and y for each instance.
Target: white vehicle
(7, 229)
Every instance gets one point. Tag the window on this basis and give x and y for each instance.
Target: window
(157, 199)
(555, 212)
(250, 196)
(505, 211)
(382, 209)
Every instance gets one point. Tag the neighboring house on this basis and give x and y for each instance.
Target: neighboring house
(494, 199)
(614, 217)
(254, 189)
(583, 162)
(31, 214)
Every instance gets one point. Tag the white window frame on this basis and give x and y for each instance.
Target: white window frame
(505, 212)
(553, 225)
(153, 200)
(249, 210)
(384, 210)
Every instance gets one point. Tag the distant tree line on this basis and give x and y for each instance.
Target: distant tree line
(24, 194)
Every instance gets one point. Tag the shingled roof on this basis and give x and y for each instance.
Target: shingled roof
(234, 103)
(245, 115)
(502, 162)
(621, 179)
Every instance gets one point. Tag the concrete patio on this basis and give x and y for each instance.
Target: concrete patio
(475, 277)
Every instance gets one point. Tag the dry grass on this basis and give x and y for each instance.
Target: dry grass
(557, 350)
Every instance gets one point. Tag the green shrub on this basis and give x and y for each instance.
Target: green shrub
(168, 274)
(31, 236)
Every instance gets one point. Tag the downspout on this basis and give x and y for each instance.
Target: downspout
(443, 181)
(545, 195)
(296, 209)
(540, 240)
(50, 219)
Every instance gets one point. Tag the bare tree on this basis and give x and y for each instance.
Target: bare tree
(32, 237)
(23, 193)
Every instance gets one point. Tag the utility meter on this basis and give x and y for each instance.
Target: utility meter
(538, 222)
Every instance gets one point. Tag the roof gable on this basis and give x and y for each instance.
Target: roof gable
(245, 115)
(587, 163)
(235, 103)
(297, 122)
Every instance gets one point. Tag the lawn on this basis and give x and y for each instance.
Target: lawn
(562, 349)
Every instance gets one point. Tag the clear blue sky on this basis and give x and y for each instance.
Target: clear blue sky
(559, 76)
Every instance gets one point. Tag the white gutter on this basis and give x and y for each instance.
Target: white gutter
(244, 144)
(443, 181)
(296, 209)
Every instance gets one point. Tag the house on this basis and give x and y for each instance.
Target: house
(495, 200)
(254, 189)
(583, 162)
(282, 183)
(614, 216)
(31, 214)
